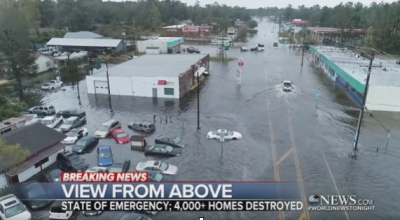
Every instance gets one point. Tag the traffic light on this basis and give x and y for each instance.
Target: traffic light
(97, 64)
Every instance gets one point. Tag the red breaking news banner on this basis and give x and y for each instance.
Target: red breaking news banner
(105, 177)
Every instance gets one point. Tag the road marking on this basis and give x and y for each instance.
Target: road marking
(273, 148)
(334, 182)
(284, 156)
(297, 163)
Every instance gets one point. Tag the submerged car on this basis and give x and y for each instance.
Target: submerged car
(171, 141)
(145, 127)
(85, 144)
(104, 156)
(120, 167)
(275, 44)
(74, 135)
(225, 134)
(120, 136)
(34, 194)
(287, 86)
(159, 177)
(71, 122)
(243, 48)
(158, 166)
(13, 209)
(162, 150)
(53, 176)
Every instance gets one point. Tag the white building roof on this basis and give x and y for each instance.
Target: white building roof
(80, 42)
(357, 66)
(154, 65)
(82, 34)
(175, 26)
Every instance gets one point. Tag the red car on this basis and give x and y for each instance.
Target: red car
(120, 136)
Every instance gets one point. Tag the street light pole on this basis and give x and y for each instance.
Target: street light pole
(304, 44)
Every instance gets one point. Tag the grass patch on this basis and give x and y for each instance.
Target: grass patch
(221, 59)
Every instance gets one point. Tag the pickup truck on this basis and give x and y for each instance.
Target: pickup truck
(52, 84)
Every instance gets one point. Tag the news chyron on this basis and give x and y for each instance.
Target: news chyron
(132, 191)
(339, 203)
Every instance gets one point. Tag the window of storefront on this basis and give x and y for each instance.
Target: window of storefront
(168, 91)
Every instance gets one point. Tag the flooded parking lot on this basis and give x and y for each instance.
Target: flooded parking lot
(285, 136)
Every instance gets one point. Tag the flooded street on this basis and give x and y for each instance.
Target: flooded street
(285, 137)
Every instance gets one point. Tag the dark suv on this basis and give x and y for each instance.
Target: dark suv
(71, 162)
(71, 113)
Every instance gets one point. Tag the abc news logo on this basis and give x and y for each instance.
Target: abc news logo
(314, 199)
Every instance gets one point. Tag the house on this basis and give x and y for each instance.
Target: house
(83, 35)
(43, 144)
(43, 63)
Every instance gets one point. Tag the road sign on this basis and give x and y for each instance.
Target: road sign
(240, 62)
(317, 95)
(226, 47)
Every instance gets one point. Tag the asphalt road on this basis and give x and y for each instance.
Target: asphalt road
(285, 136)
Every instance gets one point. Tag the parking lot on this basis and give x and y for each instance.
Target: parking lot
(285, 136)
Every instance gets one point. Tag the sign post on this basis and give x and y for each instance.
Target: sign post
(317, 95)
(239, 71)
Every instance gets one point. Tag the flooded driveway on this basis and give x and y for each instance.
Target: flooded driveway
(286, 136)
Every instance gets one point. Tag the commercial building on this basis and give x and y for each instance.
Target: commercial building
(43, 144)
(160, 45)
(70, 44)
(349, 71)
(157, 76)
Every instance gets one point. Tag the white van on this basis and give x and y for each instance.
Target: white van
(56, 212)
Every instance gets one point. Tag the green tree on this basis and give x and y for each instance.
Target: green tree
(242, 33)
(9, 109)
(12, 155)
(15, 43)
(252, 24)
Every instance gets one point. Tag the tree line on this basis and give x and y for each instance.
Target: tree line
(381, 21)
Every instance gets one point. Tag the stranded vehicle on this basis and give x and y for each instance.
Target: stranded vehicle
(287, 86)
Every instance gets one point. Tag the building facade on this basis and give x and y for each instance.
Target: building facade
(160, 45)
(43, 64)
(137, 78)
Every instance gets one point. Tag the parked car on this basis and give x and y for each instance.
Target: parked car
(225, 134)
(260, 45)
(72, 112)
(34, 194)
(52, 176)
(104, 156)
(51, 121)
(162, 150)
(105, 129)
(52, 84)
(120, 136)
(42, 110)
(97, 170)
(74, 135)
(275, 44)
(13, 209)
(134, 216)
(120, 167)
(69, 161)
(243, 48)
(287, 86)
(72, 122)
(57, 212)
(254, 49)
(145, 127)
(192, 50)
(85, 144)
(171, 141)
(158, 166)
(159, 177)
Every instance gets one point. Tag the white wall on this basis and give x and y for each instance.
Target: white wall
(143, 86)
(44, 63)
(140, 86)
(90, 82)
(28, 173)
(162, 44)
(383, 98)
(3, 181)
(121, 85)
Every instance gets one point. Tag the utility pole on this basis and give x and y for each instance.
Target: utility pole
(353, 154)
(108, 85)
(77, 81)
(304, 44)
(198, 100)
